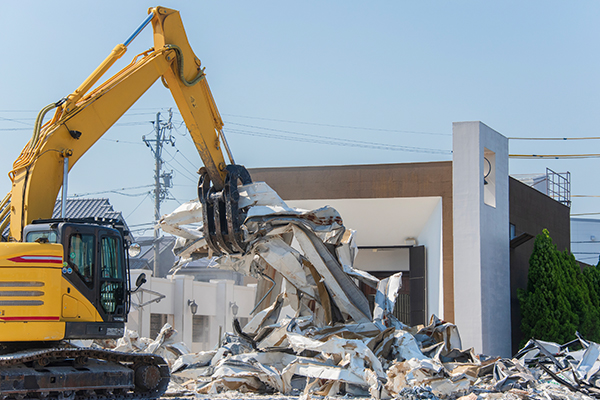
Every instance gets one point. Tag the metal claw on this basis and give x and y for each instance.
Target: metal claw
(220, 211)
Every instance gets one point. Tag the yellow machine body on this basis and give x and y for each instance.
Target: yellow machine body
(35, 299)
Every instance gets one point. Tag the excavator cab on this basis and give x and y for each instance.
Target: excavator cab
(95, 264)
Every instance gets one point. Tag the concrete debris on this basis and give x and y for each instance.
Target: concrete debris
(163, 345)
(314, 334)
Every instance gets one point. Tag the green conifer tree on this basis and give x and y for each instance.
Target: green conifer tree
(560, 298)
(547, 308)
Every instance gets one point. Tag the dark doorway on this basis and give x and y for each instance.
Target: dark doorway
(411, 304)
(402, 308)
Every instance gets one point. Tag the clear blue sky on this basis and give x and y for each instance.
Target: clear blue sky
(383, 70)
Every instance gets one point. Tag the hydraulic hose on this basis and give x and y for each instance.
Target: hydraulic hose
(39, 122)
(197, 79)
(28, 154)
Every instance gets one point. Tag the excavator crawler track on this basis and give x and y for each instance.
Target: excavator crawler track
(81, 373)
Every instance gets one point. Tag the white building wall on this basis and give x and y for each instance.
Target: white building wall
(481, 238)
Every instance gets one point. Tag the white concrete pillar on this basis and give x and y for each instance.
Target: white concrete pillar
(481, 238)
(144, 312)
(224, 318)
(182, 313)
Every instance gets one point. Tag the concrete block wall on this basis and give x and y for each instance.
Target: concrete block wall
(214, 300)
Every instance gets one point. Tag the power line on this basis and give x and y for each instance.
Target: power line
(338, 139)
(181, 173)
(138, 206)
(339, 126)
(123, 141)
(142, 224)
(181, 165)
(195, 166)
(553, 156)
(341, 142)
(15, 120)
(110, 191)
(555, 138)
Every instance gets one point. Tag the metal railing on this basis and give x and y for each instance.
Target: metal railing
(558, 186)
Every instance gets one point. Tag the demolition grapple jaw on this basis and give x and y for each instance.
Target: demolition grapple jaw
(220, 212)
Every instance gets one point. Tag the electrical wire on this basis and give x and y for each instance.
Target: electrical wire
(345, 140)
(195, 166)
(553, 156)
(17, 121)
(342, 142)
(339, 126)
(122, 141)
(552, 138)
(142, 224)
(138, 206)
(110, 191)
(186, 174)
(174, 198)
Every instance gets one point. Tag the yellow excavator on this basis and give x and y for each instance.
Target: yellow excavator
(64, 279)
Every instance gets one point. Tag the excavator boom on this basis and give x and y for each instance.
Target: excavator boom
(83, 117)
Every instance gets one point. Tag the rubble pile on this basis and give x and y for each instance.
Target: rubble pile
(316, 336)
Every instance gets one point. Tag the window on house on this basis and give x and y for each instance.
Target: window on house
(200, 326)
(157, 321)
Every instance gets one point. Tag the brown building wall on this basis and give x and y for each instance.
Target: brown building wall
(374, 181)
(531, 212)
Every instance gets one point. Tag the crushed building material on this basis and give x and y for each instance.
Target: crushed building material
(313, 333)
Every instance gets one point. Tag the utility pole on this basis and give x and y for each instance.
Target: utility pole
(160, 189)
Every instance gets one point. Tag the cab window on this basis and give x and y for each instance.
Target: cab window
(81, 256)
(112, 288)
(111, 258)
(42, 237)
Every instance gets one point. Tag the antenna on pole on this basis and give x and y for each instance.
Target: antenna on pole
(160, 189)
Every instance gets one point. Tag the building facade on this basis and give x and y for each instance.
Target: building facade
(458, 213)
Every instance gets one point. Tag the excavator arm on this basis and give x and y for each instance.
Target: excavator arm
(84, 116)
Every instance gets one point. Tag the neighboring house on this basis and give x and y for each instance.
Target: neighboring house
(90, 208)
(445, 225)
(87, 208)
(145, 260)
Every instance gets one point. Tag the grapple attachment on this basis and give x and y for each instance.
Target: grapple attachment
(221, 215)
